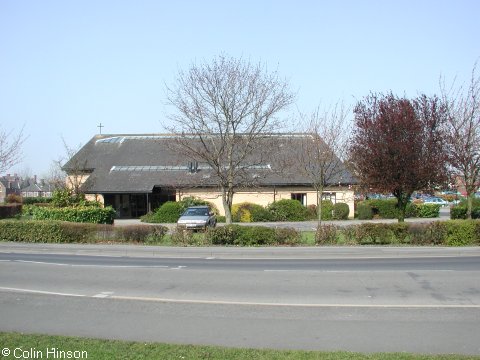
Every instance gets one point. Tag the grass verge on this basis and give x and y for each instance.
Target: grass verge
(37, 345)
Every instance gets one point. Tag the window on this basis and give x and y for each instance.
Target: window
(330, 196)
(302, 197)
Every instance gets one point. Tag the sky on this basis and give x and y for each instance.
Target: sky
(67, 66)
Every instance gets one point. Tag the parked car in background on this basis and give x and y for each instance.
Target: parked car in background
(436, 201)
(197, 217)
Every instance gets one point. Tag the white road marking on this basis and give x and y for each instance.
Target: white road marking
(180, 267)
(110, 295)
(316, 305)
(40, 292)
(103, 294)
(88, 265)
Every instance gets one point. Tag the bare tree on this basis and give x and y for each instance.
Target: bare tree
(321, 157)
(223, 111)
(463, 129)
(75, 167)
(10, 149)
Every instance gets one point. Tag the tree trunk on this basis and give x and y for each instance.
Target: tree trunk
(402, 202)
(227, 199)
(319, 206)
(470, 196)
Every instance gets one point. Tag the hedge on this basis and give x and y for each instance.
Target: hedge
(252, 236)
(89, 214)
(445, 233)
(68, 232)
(386, 209)
(36, 200)
(460, 212)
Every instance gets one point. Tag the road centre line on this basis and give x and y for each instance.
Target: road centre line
(87, 265)
(40, 292)
(109, 295)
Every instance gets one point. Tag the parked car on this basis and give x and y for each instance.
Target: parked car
(197, 217)
(436, 201)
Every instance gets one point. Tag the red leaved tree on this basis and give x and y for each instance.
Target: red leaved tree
(398, 145)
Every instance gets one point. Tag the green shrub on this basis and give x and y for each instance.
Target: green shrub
(36, 200)
(364, 211)
(327, 210)
(385, 209)
(340, 211)
(141, 233)
(184, 237)
(221, 219)
(287, 236)
(460, 212)
(326, 234)
(380, 234)
(287, 210)
(241, 212)
(90, 214)
(169, 212)
(10, 210)
(254, 236)
(249, 212)
(222, 235)
(461, 233)
(427, 210)
(47, 231)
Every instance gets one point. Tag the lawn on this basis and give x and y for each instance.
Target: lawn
(45, 346)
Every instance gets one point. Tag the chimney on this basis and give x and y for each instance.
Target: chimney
(34, 179)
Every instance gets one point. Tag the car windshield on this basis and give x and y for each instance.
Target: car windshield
(196, 212)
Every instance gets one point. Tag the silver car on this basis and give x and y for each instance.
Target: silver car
(197, 217)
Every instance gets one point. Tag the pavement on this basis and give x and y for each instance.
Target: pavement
(222, 252)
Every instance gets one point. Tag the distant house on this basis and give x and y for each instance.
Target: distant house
(35, 189)
(137, 173)
(9, 184)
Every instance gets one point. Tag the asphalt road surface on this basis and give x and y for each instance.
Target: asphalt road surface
(423, 301)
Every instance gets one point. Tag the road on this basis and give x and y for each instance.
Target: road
(409, 299)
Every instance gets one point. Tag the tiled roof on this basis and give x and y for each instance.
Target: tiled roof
(138, 163)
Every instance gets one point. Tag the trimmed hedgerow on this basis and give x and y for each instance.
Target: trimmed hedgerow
(89, 214)
(445, 233)
(326, 235)
(287, 236)
(70, 232)
(252, 236)
(46, 231)
(141, 233)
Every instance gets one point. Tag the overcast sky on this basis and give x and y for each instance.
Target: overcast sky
(66, 65)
